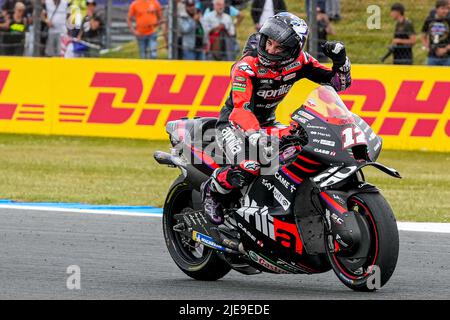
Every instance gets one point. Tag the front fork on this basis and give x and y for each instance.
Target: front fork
(344, 229)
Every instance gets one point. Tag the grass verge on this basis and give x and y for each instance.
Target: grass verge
(123, 171)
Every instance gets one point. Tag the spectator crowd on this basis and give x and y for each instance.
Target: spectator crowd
(72, 28)
(205, 29)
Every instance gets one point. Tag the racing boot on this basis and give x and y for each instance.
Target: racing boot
(212, 207)
(212, 191)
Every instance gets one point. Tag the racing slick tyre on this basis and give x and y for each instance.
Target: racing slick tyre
(194, 259)
(373, 271)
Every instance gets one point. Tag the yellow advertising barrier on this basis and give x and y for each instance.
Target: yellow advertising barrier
(407, 105)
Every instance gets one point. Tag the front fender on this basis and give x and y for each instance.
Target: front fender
(338, 174)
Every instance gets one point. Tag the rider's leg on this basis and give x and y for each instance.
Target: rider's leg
(222, 182)
(238, 172)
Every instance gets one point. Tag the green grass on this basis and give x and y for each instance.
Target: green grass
(123, 171)
(363, 45)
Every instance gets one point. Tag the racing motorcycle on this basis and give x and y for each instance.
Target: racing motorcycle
(312, 212)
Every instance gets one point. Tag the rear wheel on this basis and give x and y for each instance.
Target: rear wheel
(373, 271)
(194, 259)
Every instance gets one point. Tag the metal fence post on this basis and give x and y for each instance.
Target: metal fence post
(172, 37)
(313, 30)
(37, 28)
(109, 7)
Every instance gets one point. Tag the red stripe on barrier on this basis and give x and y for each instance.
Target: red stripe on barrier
(148, 117)
(33, 105)
(369, 120)
(216, 91)
(70, 120)
(161, 93)
(29, 119)
(391, 126)
(71, 114)
(424, 128)
(207, 114)
(72, 107)
(177, 114)
(31, 112)
(7, 111)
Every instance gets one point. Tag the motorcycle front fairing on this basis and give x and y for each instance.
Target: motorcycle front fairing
(334, 133)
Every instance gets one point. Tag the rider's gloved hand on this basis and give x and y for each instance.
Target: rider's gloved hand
(335, 50)
(264, 142)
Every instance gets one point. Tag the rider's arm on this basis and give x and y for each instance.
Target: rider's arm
(338, 77)
(241, 96)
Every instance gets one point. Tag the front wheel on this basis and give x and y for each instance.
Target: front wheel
(194, 259)
(373, 271)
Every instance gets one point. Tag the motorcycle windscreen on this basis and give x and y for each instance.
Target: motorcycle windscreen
(325, 103)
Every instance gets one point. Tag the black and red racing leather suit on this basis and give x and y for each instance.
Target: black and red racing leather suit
(255, 94)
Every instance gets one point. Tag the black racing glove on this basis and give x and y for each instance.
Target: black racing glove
(335, 50)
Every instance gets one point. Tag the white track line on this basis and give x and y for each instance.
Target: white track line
(424, 227)
(403, 226)
(101, 212)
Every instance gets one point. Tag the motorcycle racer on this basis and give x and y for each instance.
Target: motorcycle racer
(273, 60)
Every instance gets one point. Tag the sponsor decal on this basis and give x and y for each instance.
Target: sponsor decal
(239, 84)
(336, 219)
(291, 267)
(232, 142)
(318, 133)
(285, 203)
(261, 219)
(283, 90)
(306, 115)
(267, 105)
(196, 218)
(284, 182)
(262, 71)
(338, 199)
(251, 166)
(267, 184)
(207, 241)
(311, 103)
(246, 68)
(289, 77)
(248, 233)
(281, 199)
(310, 126)
(289, 152)
(266, 263)
(266, 81)
(300, 119)
(325, 142)
(292, 66)
(325, 152)
(240, 79)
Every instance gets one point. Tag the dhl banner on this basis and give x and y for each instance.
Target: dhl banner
(407, 105)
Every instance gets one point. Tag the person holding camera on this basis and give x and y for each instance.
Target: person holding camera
(435, 35)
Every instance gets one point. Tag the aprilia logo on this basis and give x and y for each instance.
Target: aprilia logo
(284, 89)
(232, 143)
(261, 218)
